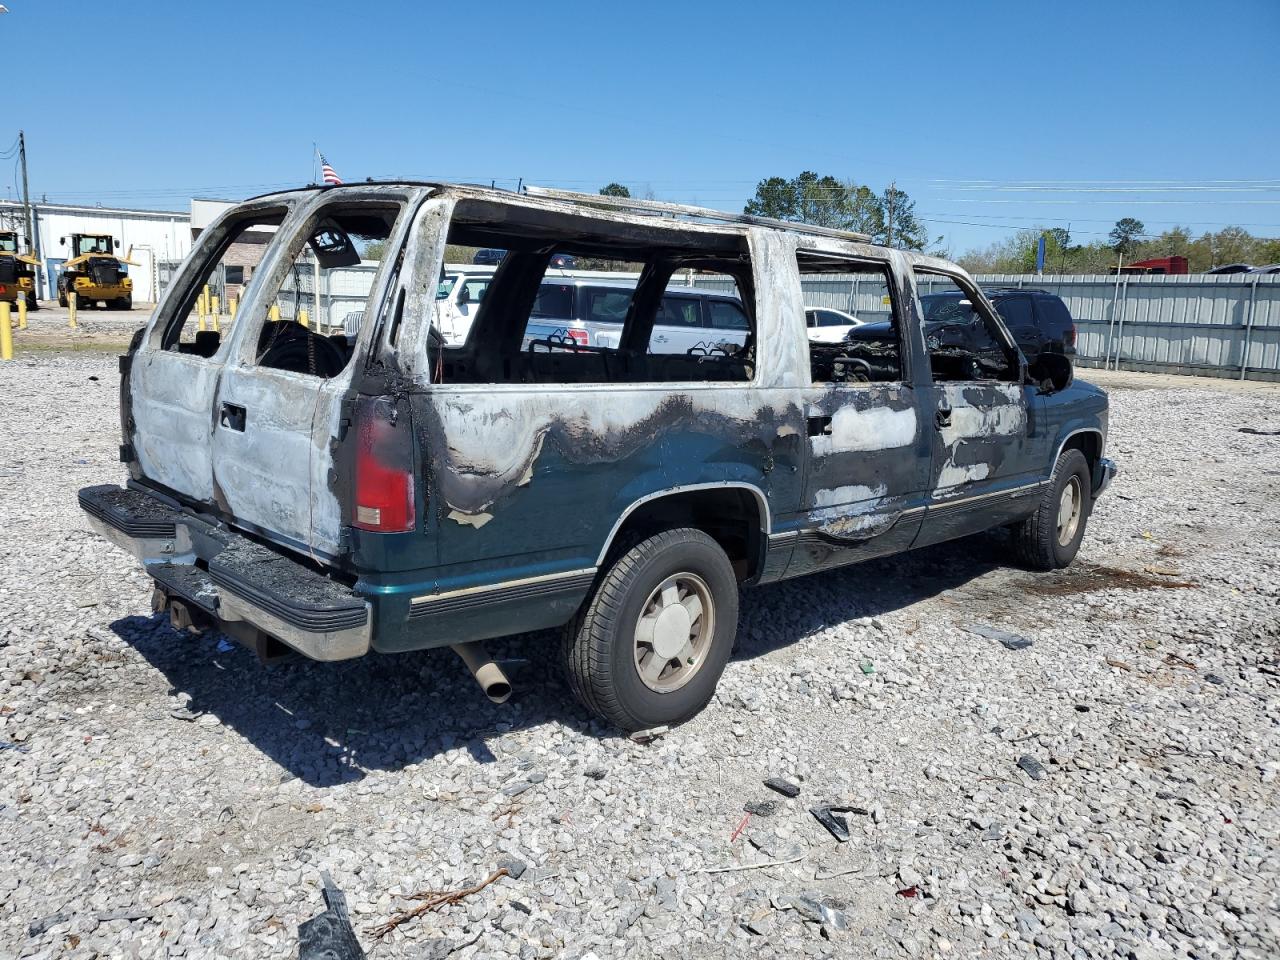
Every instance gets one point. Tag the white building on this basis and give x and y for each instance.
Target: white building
(145, 235)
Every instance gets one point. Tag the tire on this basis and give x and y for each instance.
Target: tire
(1041, 542)
(32, 302)
(602, 648)
(62, 298)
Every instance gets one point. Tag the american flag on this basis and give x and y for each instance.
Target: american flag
(327, 172)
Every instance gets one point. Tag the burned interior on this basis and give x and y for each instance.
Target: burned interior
(497, 350)
(290, 338)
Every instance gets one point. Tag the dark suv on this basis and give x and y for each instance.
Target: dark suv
(1039, 321)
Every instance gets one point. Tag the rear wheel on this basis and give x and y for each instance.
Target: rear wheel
(1050, 538)
(652, 641)
(32, 302)
(62, 297)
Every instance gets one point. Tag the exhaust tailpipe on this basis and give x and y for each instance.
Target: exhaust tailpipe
(488, 674)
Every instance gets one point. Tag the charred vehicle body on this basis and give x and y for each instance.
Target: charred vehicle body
(402, 492)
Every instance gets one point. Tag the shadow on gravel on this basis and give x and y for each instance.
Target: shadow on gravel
(329, 723)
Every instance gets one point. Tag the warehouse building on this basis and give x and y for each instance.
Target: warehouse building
(147, 236)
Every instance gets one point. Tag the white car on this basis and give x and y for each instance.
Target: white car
(828, 325)
(458, 297)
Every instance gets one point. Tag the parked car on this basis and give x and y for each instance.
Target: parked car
(458, 296)
(1038, 320)
(828, 324)
(1229, 268)
(488, 257)
(591, 313)
(298, 492)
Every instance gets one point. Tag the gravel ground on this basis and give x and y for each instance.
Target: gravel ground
(163, 795)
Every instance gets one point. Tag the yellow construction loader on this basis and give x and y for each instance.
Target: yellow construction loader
(95, 274)
(17, 272)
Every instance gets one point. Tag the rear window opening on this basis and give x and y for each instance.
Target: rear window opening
(209, 308)
(311, 321)
(679, 306)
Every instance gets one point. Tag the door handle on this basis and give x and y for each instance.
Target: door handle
(819, 426)
(942, 418)
(232, 417)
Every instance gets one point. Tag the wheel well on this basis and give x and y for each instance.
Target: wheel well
(1089, 443)
(729, 515)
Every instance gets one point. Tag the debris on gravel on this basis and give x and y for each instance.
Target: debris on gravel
(164, 795)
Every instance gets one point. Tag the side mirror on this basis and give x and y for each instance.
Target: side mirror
(117, 244)
(1052, 371)
(62, 241)
(464, 295)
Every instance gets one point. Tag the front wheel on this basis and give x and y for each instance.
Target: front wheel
(649, 646)
(1050, 538)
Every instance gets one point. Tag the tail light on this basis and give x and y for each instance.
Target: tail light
(4, 288)
(578, 336)
(384, 474)
(1070, 336)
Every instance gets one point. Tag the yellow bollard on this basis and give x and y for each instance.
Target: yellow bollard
(304, 318)
(213, 307)
(274, 313)
(22, 311)
(6, 334)
(234, 304)
(71, 309)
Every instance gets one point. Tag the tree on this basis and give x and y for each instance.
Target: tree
(825, 201)
(901, 228)
(1125, 234)
(615, 190)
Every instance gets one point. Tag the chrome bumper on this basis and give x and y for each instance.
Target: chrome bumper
(1107, 470)
(168, 544)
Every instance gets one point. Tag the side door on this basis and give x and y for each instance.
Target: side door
(679, 326)
(173, 376)
(987, 465)
(1020, 320)
(868, 442)
(279, 403)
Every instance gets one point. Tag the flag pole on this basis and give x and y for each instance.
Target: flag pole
(314, 154)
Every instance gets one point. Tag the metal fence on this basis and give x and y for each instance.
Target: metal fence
(1219, 326)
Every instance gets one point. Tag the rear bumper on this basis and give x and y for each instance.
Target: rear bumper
(1104, 473)
(232, 579)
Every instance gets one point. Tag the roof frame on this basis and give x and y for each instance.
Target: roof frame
(688, 212)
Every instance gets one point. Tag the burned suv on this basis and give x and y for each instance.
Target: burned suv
(398, 491)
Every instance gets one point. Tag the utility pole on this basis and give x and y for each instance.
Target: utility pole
(26, 196)
(893, 189)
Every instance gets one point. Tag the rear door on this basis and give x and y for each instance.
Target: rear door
(173, 375)
(278, 410)
(868, 447)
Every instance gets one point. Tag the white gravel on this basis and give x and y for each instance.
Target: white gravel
(164, 795)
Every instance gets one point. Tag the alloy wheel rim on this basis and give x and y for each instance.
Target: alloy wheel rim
(674, 631)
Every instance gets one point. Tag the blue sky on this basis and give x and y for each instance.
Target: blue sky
(991, 115)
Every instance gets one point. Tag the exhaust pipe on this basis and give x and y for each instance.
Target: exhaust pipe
(488, 674)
